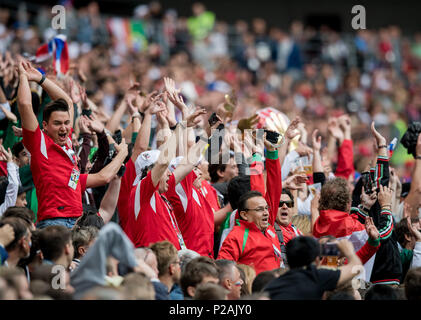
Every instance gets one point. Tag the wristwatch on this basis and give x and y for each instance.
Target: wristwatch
(42, 79)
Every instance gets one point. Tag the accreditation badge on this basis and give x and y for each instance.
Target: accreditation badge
(74, 179)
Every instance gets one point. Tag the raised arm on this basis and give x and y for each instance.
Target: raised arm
(24, 99)
(108, 172)
(345, 165)
(110, 199)
(349, 270)
(414, 197)
(151, 106)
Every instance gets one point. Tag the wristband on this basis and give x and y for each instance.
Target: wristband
(418, 157)
(382, 146)
(142, 114)
(42, 79)
(107, 132)
(174, 127)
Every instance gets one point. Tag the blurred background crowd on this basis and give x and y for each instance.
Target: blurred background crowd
(314, 73)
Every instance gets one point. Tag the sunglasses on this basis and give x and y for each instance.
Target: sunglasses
(289, 203)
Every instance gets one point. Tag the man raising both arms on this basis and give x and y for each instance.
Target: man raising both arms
(57, 179)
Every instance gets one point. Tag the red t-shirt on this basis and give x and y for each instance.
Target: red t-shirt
(55, 173)
(151, 218)
(194, 215)
(123, 203)
(211, 196)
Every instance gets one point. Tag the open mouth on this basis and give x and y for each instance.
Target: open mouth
(62, 136)
(284, 214)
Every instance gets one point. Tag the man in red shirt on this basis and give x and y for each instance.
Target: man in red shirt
(193, 212)
(151, 217)
(58, 182)
(253, 240)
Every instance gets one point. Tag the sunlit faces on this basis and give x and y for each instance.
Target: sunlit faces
(257, 211)
(285, 212)
(231, 170)
(58, 127)
(163, 182)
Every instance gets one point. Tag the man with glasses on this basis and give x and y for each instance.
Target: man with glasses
(253, 240)
(285, 230)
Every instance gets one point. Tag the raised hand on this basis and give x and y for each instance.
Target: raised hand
(291, 132)
(295, 181)
(194, 118)
(5, 155)
(122, 147)
(161, 117)
(385, 196)
(334, 129)
(84, 124)
(148, 101)
(345, 125)
(25, 68)
(9, 115)
(371, 229)
(17, 131)
(415, 232)
(157, 106)
(381, 141)
(317, 141)
(367, 200)
(95, 125)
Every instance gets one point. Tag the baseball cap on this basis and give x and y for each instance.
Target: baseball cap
(174, 163)
(145, 159)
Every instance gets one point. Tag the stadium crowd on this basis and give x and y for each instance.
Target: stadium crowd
(173, 158)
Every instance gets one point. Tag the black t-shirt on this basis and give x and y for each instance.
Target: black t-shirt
(306, 283)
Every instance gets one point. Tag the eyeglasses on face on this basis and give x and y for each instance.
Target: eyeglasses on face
(289, 203)
(259, 209)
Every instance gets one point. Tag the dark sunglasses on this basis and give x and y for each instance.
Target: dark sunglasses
(289, 203)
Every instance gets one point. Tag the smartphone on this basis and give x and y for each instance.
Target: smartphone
(213, 119)
(117, 136)
(366, 182)
(330, 249)
(272, 136)
(86, 112)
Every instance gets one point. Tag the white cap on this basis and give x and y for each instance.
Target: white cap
(174, 163)
(145, 159)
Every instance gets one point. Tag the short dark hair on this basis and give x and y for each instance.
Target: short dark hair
(261, 280)
(53, 240)
(335, 195)
(381, 292)
(20, 228)
(224, 267)
(213, 168)
(242, 202)
(90, 218)
(23, 213)
(17, 148)
(302, 251)
(55, 105)
(238, 186)
(412, 284)
(195, 271)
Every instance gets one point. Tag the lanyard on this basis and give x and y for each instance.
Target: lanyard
(71, 154)
(174, 222)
